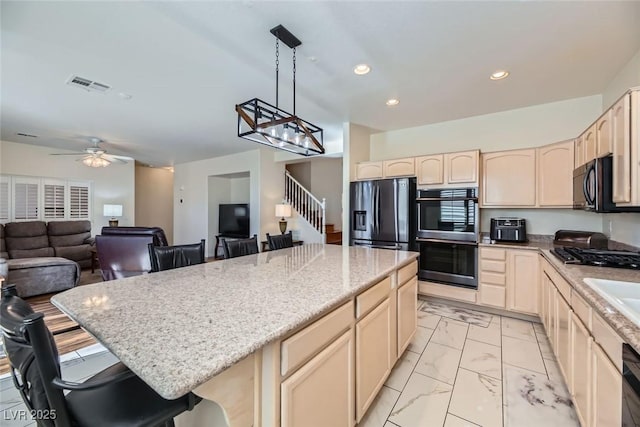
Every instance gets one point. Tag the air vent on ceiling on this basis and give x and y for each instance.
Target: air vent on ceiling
(28, 135)
(88, 85)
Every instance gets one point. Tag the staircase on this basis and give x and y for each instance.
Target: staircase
(309, 207)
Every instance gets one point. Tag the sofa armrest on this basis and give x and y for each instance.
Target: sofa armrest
(90, 241)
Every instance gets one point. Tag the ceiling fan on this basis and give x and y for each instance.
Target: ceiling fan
(95, 156)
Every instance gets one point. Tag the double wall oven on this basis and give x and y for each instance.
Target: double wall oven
(447, 236)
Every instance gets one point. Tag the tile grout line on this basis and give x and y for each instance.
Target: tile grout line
(456, 377)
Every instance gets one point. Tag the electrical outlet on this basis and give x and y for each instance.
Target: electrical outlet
(610, 227)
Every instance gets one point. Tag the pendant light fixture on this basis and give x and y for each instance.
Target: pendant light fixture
(264, 123)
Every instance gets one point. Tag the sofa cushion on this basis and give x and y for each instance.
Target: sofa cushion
(3, 246)
(36, 276)
(75, 253)
(68, 233)
(27, 239)
(69, 239)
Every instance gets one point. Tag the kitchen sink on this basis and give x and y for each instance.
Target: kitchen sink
(625, 296)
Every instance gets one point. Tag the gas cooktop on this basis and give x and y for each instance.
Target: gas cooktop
(599, 257)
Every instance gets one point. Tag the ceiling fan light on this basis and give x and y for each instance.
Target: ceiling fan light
(96, 162)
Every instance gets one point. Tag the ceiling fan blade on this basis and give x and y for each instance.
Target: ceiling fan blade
(112, 159)
(67, 154)
(114, 156)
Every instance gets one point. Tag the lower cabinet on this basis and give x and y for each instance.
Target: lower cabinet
(607, 391)
(321, 393)
(407, 308)
(522, 281)
(563, 334)
(580, 381)
(373, 356)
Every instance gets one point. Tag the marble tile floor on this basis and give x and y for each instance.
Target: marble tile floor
(469, 368)
(455, 373)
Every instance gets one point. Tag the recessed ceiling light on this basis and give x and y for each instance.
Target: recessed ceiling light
(361, 69)
(499, 75)
(391, 102)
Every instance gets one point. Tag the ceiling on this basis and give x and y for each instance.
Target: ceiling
(186, 65)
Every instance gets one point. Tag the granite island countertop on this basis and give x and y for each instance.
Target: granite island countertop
(177, 329)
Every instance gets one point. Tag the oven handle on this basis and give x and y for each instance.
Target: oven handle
(446, 199)
(453, 242)
(371, 245)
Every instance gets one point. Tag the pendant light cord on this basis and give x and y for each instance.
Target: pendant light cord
(277, 67)
(294, 81)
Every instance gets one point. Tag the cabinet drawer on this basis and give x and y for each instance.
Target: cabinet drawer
(608, 339)
(372, 296)
(493, 253)
(309, 341)
(499, 279)
(492, 295)
(407, 272)
(581, 309)
(563, 287)
(494, 266)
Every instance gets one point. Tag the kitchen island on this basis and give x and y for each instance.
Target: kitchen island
(318, 325)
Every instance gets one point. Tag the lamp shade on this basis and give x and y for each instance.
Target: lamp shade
(112, 210)
(283, 211)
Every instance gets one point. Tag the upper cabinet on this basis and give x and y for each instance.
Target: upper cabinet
(604, 134)
(369, 170)
(578, 152)
(430, 169)
(499, 184)
(399, 167)
(590, 144)
(448, 170)
(555, 175)
(621, 142)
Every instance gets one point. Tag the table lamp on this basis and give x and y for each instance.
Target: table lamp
(112, 211)
(283, 211)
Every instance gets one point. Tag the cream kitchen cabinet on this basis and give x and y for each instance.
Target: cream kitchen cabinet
(509, 279)
(522, 281)
(580, 373)
(626, 150)
(509, 179)
(579, 152)
(369, 170)
(407, 308)
(331, 375)
(399, 167)
(604, 134)
(430, 170)
(555, 174)
(607, 391)
(373, 356)
(449, 170)
(563, 335)
(590, 144)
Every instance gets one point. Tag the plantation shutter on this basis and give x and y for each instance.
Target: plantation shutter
(78, 201)
(5, 199)
(26, 199)
(53, 200)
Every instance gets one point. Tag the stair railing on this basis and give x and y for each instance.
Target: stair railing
(308, 206)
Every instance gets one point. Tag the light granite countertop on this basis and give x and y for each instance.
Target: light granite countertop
(179, 328)
(575, 275)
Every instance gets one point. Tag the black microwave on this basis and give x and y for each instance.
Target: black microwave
(592, 187)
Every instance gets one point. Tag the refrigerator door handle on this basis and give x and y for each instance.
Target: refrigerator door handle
(396, 201)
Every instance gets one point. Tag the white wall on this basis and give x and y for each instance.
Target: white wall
(218, 191)
(524, 127)
(326, 182)
(627, 77)
(239, 190)
(114, 184)
(622, 227)
(154, 199)
(545, 221)
(191, 208)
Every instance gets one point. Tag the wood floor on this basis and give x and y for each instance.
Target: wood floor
(67, 334)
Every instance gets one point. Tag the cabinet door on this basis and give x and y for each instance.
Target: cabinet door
(321, 392)
(580, 383)
(430, 169)
(607, 391)
(590, 144)
(407, 313)
(563, 335)
(462, 167)
(544, 300)
(522, 281)
(552, 331)
(621, 147)
(373, 356)
(499, 188)
(369, 170)
(604, 133)
(555, 175)
(579, 152)
(399, 167)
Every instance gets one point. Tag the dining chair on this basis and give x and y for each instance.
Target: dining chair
(280, 241)
(240, 247)
(170, 257)
(114, 396)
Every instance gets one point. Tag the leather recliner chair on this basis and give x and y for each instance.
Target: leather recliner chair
(159, 238)
(124, 255)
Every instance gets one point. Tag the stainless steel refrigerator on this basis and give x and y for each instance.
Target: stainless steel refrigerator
(383, 213)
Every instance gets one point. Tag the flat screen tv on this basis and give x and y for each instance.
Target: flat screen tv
(233, 220)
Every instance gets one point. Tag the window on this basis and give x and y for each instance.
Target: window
(78, 201)
(53, 203)
(30, 198)
(25, 199)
